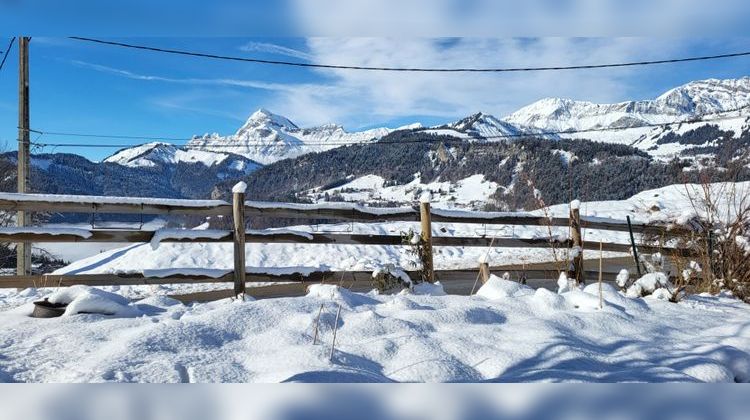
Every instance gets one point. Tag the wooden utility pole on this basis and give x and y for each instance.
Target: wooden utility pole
(601, 257)
(575, 233)
(23, 250)
(238, 220)
(425, 218)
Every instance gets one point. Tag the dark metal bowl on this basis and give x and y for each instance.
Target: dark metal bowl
(46, 309)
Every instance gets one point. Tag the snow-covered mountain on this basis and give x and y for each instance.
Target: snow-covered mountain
(681, 103)
(156, 154)
(267, 137)
(726, 102)
(478, 126)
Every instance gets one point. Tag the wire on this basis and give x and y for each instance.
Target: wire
(697, 119)
(408, 69)
(7, 50)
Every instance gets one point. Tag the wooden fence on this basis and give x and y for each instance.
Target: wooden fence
(239, 210)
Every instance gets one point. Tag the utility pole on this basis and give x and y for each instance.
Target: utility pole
(23, 250)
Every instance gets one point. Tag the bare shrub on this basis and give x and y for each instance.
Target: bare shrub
(715, 233)
(389, 279)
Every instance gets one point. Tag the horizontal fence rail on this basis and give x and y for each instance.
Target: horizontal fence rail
(333, 211)
(444, 276)
(136, 236)
(115, 205)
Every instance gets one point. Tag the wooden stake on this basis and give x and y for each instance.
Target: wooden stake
(424, 212)
(23, 218)
(484, 270)
(238, 217)
(576, 273)
(317, 323)
(335, 328)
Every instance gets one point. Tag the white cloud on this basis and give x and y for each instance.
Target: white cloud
(368, 97)
(266, 47)
(513, 18)
(251, 84)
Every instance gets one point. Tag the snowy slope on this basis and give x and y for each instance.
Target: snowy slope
(470, 192)
(267, 137)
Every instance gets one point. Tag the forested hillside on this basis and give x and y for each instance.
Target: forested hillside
(559, 169)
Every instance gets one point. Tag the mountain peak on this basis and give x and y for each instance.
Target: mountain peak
(265, 117)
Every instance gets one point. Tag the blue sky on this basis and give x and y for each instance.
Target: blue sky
(81, 87)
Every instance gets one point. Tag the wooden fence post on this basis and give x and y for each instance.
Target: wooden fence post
(575, 232)
(424, 213)
(238, 220)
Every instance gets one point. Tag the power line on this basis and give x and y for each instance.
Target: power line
(7, 50)
(410, 69)
(718, 117)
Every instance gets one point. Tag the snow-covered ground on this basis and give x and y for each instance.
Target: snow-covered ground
(507, 332)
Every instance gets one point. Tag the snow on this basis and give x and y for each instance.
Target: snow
(648, 284)
(55, 231)
(410, 337)
(563, 283)
(185, 271)
(479, 214)
(331, 206)
(496, 288)
(623, 277)
(92, 199)
(240, 187)
(280, 231)
(85, 299)
(575, 204)
(428, 289)
(165, 234)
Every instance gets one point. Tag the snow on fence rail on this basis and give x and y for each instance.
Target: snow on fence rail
(239, 209)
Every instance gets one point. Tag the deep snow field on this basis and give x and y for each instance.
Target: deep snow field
(507, 332)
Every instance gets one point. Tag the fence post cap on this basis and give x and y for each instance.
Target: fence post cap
(240, 187)
(425, 197)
